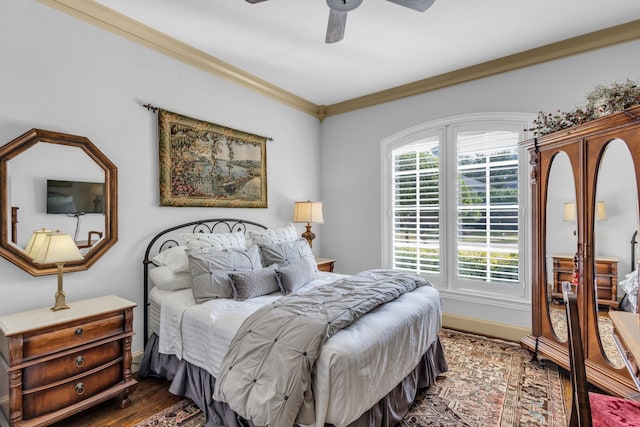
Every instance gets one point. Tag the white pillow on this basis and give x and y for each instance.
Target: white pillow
(165, 278)
(174, 257)
(206, 242)
(274, 235)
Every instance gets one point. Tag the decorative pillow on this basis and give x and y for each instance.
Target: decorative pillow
(286, 252)
(175, 258)
(276, 235)
(295, 275)
(165, 278)
(210, 271)
(254, 283)
(204, 242)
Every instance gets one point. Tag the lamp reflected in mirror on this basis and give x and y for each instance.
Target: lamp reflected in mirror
(311, 213)
(54, 248)
(601, 211)
(35, 241)
(569, 213)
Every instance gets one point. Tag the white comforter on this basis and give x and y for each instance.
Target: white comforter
(357, 366)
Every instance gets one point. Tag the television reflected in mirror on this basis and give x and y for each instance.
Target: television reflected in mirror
(75, 197)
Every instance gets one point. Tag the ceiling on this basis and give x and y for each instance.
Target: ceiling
(388, 51)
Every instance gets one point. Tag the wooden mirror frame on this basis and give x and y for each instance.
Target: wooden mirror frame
(22, 144)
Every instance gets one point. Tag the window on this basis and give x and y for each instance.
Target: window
(454, 201)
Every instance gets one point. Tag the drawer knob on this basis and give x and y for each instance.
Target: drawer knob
(79, 362)
(78, 332)
(79, 389)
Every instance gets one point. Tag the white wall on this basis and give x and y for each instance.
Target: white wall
(61, 74)
(65, 75)
(351, 164)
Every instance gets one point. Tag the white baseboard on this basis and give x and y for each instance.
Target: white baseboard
(484, 327)
(135, 360)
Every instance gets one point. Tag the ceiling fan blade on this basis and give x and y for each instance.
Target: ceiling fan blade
(335, 27)
(254, 1)
(419, 5)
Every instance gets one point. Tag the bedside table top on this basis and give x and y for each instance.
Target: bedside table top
(16, 323)
(324, 260)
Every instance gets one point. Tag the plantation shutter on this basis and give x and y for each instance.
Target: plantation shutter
(487, 206)
(416, 207)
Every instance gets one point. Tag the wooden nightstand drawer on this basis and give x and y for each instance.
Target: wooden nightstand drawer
(71, 336)
(46, 400)
(70, 365)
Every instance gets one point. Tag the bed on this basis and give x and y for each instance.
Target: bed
(366, 374)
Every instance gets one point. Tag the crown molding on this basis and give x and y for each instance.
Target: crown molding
(110, 20)
(595, 40)
(117, 23)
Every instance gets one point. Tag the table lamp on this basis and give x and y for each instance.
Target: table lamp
(55, 248)
(311, 213)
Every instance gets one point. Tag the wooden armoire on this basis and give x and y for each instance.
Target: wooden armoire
(581, 153)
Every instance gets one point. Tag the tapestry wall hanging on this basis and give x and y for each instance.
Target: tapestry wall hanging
(204, 164)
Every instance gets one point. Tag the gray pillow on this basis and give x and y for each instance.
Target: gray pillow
(285, 252)
(210, 271)
(254, 283)
(295, 275)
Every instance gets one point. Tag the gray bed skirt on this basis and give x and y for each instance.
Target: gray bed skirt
(197, 384)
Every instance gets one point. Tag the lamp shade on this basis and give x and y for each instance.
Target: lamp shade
(35, 241)
(309, 212)
(601, 211)
(56, 248)
(569, 211)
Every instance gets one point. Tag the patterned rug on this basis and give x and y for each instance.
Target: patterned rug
(489, 383)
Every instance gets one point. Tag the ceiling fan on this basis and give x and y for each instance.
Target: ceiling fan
(338, 10)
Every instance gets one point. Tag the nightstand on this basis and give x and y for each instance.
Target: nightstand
(57, 363)
(325, 264)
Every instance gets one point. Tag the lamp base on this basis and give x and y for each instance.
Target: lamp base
(61, 303)
(60, 296)
(309, 235)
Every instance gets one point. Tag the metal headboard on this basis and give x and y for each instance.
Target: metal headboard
(168, 238)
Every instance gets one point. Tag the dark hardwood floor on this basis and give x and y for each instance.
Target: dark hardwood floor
(151, 396)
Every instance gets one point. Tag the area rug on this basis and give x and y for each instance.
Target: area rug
(183, 414)
(490, 383)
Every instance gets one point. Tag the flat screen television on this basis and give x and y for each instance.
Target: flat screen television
(75, 197)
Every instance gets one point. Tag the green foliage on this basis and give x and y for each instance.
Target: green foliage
(602, 100)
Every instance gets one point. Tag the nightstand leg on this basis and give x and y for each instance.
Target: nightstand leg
(15, 399)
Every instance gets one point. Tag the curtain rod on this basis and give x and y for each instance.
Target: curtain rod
(150, 107)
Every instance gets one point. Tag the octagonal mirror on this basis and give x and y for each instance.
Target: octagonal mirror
(56, 181)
